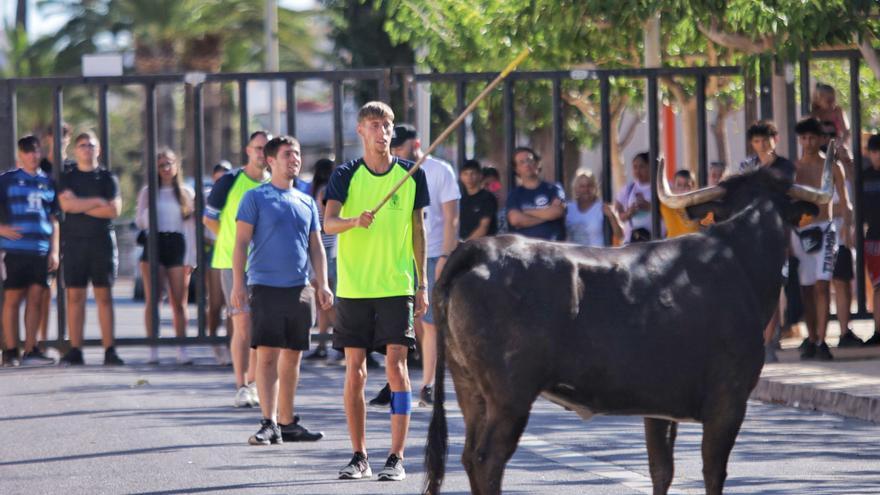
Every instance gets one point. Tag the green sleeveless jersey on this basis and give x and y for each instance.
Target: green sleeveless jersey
(377, 262)
(222, 205)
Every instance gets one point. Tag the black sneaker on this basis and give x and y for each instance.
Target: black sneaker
(11, 358)
(808, 351)
(849, 339)
(295, 432)
(371, 362)
(111, 358)
(358, 467)
(267, 434)
(393, 470)
(426, 397)
(873, 341)
(823, 353)
(805, 344)
(36, 358)
(317, 354)
(383, 398)
(73, 357)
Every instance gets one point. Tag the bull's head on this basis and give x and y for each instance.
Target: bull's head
(736, 192)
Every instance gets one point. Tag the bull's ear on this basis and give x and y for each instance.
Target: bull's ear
(797, 209)
(699, 212)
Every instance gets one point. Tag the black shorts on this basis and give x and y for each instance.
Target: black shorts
(372, 324)
(843, 266)
(24, 270)
(172, 249)
(281, 316)
(89, 260)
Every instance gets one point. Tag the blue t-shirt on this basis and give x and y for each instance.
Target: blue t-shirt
(540, 197)
(283, 219)
(28, 202)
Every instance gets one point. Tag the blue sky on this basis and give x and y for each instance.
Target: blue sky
(42, 25)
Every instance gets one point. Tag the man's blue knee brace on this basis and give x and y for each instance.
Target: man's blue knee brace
(401, 402)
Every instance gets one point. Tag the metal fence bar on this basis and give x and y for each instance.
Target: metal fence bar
(243, 118)
(202, 268)
(805, 83)
(856, 125)
(338, 143)
(461, 132)
(7, 113)
(605, 119)
(509, 132)
(290, 91)
(558, 131)
(702, 147)
(653, 152)
(384, 83)
(150, 146)
(60, 294)
(104, 124)
(765, 78)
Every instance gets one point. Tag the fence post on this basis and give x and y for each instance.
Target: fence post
(7, 114)
(702, 150)
(856, 126)
(653, 151)
(60, 294)
(152, 191)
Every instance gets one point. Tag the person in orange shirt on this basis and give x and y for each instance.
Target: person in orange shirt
(677, 221)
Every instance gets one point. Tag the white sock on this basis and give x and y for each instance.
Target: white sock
(154, 353)
(182, 355)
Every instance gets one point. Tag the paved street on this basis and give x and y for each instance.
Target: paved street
(159, 430)
(166, 429)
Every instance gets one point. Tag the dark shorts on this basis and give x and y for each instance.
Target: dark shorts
(89, 260)
(25, 270)
(372, 324)
(281, 316)
(843, 266)
(172, 248)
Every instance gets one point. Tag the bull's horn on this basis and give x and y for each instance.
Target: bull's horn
(811, 194)
(679, 201)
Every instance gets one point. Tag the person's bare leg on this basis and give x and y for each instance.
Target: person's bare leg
(876, 310)
(429, 353)
(76, 315)
(822, 304)
(104, 301)
(242, 359)
(148, 301)
(353, 398)
(215, 301)
(33, 312)
(809, 302)
(178, 283)
(267, 381)
(11, 305)
(398, 378)
(288, 379)
(843, 303)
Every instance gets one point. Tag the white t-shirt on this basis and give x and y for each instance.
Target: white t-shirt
(628, 197)
(442, 187)
(585, 227)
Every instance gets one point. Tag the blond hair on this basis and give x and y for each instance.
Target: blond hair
(375, 110)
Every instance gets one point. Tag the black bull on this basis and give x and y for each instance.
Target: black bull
(669, 330)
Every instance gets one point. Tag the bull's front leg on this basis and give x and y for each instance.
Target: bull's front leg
(720, 429)
(660, 439)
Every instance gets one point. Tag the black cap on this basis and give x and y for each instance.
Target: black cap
(402, 134)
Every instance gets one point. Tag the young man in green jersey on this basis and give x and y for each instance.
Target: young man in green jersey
(375, 297)
(220, 212)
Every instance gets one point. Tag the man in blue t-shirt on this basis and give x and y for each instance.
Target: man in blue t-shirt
(29, 236)
(280, 226)
(536, 208)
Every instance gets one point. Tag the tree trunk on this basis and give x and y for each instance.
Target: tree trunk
(719, 132)
(204, 54)
(21, 14)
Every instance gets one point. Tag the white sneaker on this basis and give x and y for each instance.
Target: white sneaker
(183, 358)
(254, 396)
(221, 355)
(154, 355)
(243, 397)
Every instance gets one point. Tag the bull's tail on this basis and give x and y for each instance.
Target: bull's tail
(437, 448)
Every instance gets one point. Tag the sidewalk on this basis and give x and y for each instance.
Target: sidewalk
(848, 386)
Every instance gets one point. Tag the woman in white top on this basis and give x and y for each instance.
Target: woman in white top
(177, 250)
(585, 215)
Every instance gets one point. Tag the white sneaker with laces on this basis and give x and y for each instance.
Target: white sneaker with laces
(243, 397)
(254, 396)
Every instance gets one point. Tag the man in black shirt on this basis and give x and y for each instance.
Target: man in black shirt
(477, 208)
(871, 209)
(90, 199)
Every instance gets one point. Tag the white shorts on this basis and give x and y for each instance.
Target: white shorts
(818, 264)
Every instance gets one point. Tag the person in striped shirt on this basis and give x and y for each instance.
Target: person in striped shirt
(29, 238)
